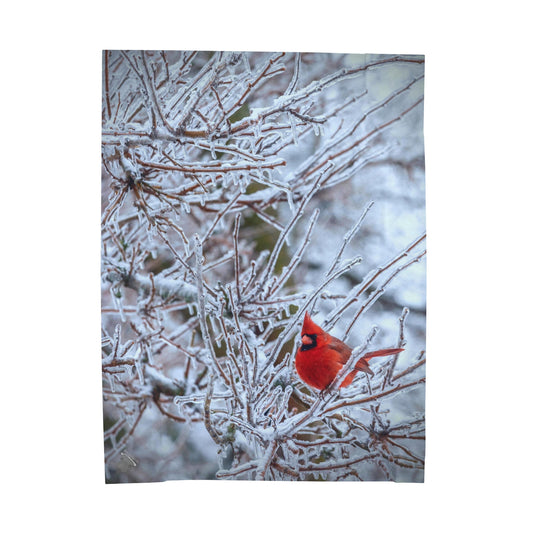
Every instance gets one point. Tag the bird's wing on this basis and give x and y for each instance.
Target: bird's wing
(342, 349)
(345, 351)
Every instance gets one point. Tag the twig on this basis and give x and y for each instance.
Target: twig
(201, 307)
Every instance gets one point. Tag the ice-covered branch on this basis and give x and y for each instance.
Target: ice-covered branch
(229, 183)
(206, 336)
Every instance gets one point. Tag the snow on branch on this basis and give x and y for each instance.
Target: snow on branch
(234, 202)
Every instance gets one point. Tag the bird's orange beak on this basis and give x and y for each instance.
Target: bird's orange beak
(306, 339)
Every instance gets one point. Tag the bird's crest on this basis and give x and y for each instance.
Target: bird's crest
(309, 327)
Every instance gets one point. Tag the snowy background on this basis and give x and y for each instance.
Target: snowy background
(239, 190)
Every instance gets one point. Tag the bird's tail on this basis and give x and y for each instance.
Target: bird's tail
(381, 353)
(363, 366)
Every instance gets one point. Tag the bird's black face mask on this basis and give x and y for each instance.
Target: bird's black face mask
(308, 341)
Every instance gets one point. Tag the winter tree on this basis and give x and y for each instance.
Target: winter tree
(240, 190)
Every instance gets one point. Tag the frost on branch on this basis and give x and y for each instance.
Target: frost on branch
(241, 190)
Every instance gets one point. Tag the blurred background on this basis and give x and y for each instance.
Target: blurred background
(233, 107)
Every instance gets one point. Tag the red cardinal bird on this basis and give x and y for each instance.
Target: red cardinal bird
(321, 356)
